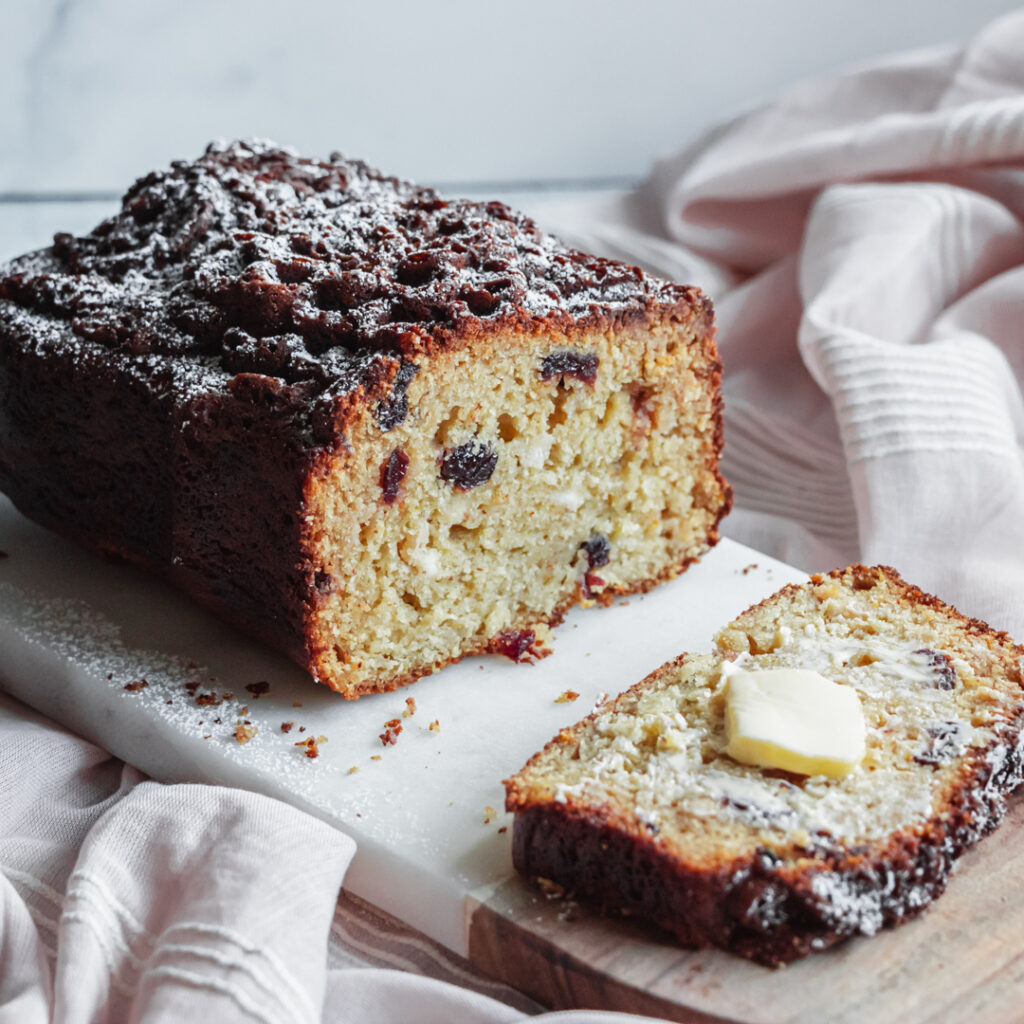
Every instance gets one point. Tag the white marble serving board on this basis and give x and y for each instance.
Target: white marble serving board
(75, 629)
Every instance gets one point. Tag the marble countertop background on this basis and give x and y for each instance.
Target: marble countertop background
(97, 92)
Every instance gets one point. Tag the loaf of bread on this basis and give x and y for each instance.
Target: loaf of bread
(377, 429)
(640, 808)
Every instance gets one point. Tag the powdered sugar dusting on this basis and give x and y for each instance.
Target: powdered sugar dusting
(184, 696)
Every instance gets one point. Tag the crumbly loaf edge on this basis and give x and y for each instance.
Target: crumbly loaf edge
(273, 598)
(696, 309)
(749, 905)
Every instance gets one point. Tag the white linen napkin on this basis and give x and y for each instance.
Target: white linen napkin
(124, 901)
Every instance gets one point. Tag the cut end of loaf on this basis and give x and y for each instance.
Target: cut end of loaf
(766, 863)
(525, 477)
(378, 429)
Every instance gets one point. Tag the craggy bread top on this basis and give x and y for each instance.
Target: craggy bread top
(324, 275)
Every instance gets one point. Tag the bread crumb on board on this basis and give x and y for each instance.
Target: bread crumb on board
(392, 730)
(245, 732)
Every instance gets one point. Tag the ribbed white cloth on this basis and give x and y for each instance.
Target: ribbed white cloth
(862, 240)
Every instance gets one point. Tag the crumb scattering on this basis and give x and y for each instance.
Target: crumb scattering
(135, 685)
(747, 569)
(504, 828)
(296, 703)
(352, 770)
(489, 814)
(205, 700)
(567, 697)
(258, 689)
(375, 757)
(392, 730)
(190, 688)
(245, 732)
(435, 726)
(309, 747)
(287, 726)
(410, 707)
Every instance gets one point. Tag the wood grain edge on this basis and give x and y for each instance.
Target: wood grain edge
(502, 944)
(381, 940)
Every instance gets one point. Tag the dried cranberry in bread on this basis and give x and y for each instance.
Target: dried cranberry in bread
(639, 809)
(378, 429)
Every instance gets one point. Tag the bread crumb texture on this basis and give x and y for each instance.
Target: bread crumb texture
(520, 494)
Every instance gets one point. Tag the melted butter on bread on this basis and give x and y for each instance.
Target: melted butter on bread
(794, 719)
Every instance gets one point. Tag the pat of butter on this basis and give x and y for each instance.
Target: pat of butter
(794, 719)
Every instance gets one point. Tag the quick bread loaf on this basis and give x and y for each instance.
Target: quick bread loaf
(640, 809)
(378, 429)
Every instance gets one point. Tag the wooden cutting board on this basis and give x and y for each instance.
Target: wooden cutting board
(77, 634)
(962, 961)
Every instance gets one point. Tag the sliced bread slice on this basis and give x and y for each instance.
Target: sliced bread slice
(639, 809)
